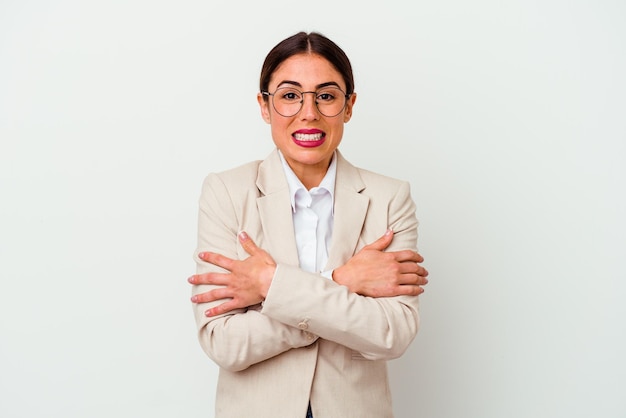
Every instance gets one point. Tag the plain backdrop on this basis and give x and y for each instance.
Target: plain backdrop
(507, 117)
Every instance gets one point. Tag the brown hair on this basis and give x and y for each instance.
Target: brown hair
(302, 43)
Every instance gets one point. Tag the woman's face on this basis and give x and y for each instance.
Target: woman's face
(307, 139)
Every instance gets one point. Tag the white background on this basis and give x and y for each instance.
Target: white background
(508, 118)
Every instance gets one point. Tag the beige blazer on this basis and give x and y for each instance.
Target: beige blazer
(311, 339)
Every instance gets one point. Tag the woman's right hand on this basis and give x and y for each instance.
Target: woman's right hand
(376, 273)
(245, 284)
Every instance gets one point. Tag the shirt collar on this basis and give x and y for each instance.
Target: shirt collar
(327, 183)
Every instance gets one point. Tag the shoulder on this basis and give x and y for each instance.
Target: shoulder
(234, 185)
(386, 190)
(242, 174)
(250, 175)
(372, 179)
(369, 182)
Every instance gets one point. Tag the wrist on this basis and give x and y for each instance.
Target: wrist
(334, 275)
(338, 276)
(266, 280)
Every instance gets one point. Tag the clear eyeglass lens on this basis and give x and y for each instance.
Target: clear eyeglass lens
(288, 101)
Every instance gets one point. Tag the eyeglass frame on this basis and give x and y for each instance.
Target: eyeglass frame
(345, 95)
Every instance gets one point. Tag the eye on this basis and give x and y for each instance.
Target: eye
(325, 96)
(290, 95)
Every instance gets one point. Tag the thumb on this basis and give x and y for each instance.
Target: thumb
(381, 243)
(252, 249)
(247, 243)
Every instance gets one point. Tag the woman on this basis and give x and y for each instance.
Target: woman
(307, 272)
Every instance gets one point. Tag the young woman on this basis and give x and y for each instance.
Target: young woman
(308, 274)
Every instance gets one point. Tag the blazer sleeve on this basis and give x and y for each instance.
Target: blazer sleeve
(238, 339)
(377, 328)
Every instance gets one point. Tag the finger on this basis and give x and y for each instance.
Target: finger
(411, 267)
(381, 243)
(248, 244)
(410, 290)
(223, 308)
(217, 260)
(209, 278)
(213, 295)
(408, 256)
(412, 279)
(251, 248)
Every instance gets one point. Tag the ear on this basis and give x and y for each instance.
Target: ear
(347, 113)
(264, 105)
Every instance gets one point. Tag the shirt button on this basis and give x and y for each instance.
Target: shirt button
(303, 325)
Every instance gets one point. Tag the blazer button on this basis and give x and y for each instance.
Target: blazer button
(303, 325)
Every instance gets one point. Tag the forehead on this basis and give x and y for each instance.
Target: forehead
(309, 70)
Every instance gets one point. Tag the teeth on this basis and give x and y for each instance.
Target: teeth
(308, 137)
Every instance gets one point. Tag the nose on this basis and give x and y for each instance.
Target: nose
(309, 107)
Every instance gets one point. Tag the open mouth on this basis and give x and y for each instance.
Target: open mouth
(309, 138)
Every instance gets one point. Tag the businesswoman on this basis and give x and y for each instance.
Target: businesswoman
(308, 274)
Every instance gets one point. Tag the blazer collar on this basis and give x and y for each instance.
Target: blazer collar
(271, 178)
(274, 205)
(350, 212)
(276, 216)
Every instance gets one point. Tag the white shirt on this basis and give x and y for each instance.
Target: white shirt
(312, 217)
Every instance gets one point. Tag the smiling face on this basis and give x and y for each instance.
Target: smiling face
(308, 139)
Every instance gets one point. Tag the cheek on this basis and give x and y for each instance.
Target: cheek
(279, 129)
(338, 131)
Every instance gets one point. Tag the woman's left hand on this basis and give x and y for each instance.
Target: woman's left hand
(246, 283)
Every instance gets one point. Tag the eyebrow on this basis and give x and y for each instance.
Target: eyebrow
(319, 86)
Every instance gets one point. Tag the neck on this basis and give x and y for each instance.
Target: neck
(310, 178)
(310, 175)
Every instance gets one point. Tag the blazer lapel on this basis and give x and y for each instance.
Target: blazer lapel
(274, 207)
(349, 213)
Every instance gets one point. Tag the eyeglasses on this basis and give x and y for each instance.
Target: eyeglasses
(287, 101)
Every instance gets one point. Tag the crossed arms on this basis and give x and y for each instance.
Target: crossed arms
(253, 309)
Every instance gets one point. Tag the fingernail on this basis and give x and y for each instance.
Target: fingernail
(201, 255)
(388, 232)
(191, 279)
(194, 299)
(207, 312)
(243, 235)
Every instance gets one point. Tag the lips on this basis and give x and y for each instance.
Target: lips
(309, 138)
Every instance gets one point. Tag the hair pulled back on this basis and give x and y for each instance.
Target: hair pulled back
(303, 43)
